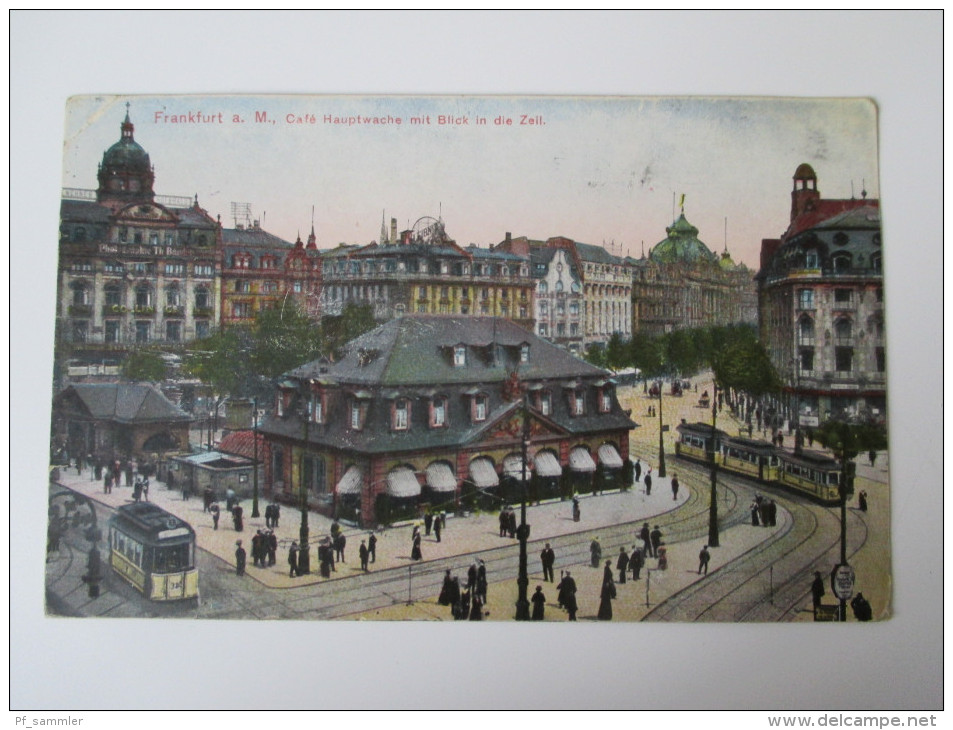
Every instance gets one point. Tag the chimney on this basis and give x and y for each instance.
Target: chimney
(393, 230)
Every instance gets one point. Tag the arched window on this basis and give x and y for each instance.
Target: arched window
(172, 295)
(202, 299)
(841, 261)
(543, 287)
(80, 293)
(559, 285)
(843, 329)
(143, 296)
(113, 295)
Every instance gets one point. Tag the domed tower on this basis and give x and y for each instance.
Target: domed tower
(125, 174)
(805, 192)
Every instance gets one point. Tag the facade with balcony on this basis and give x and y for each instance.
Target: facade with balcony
(134, 268)
(423, 271)
(821, 311)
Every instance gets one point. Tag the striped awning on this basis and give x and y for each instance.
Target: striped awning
(402, 482)
(513, 466)
(440, 478)
(580, 460)
(483, 474)
(609, 457)
(352, 482)
(547, 465)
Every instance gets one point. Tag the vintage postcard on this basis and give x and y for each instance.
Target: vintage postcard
(470, 358)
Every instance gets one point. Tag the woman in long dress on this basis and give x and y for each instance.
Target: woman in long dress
(608, 593)
(539, 604)
(415, 552)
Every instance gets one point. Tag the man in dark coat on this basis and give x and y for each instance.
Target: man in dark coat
(656, 540)
(445, 590)
(567, 595)
(271, 542)
(472, 576)
(648, 481)
(511, 523)
(703, 557)
(428, 522)
(371, 546)
(362, 553)
(482, 582)
(638, 470)
(548, 558)
(646, 537)
(237, 512)
(339, 542)
(293, 560)
(622, 564)
(675, 486)
(595, 552)
(239, 559)
(504, 521)
(207, 499)
(437, 527)
(862, 610)
(213, 508)
(256, 550)
(817, 589)
(636, 561)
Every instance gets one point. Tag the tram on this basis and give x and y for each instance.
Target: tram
(810, 473)
(154, 551)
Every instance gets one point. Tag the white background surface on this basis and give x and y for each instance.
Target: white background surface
(894, 58)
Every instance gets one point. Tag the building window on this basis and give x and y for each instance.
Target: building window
(357, 416)
(438, 413)
(315, 474)
(143, 296)
(479, 408)
(543, 330)
(842, 296)
(543, 309)
(559, 286)
(805, 298)
(579, 403)
(143, 330)
(269, 287)
(173, 331)
(174, 269)
(203, 269)
(172, 296)
(277, 464)
(202, 298)
(843, 359)
(841, 262)
(80, 330)
(113, 295)
(112, 330)
(605, 400)
(242, 287)
(545, 402)
(807, 359)
(876, 262)
(401, 415)
(574, 309)
(459, 356)
(422, 292)
(810, 260)
(201, 328)
(80, 294)
(843, 330)
(241, 309)
(543, 287)
(524, 353)
(806, 330)
(296, 287)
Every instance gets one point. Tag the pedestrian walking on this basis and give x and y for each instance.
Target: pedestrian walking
(754, 513)
(548, 559)
(872, 455)
(646, 537)
(504, 521)
(622, 563)
(339, 543)
(213, 508)
(362, 553)
(482, 582)
(275, 514)
(208, 496)
(674, 486)
(638, 470)
(703, 557)
(128, 472)
(437, 527)
(444, 598)
(595, 552)
(271, 542)
(145, 489)
(428, 522)
(636, 561)
(293, 559)
(108, 483)
(656, 537)
(372, 546)
(415, 553)
(237, 518)
(472, 576)
(648, 481)
(576, 512)
(567, 594)
(862, 500)
(539, 604)
(239, 559)
(607, 593)
(817, 590)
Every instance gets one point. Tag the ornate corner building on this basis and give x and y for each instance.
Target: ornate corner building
(820, 303)
(135, 268)
(683, 284)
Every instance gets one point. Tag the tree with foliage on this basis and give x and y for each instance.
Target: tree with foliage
(617, 352)
(354, 320)
(283, 337)
(144, 365)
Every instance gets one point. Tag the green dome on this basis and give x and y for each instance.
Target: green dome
(725, 262)
(127, 154)
(682, 244)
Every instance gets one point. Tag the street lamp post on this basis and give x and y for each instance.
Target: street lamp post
(254, 500)
(661, 445)
(304, 553)
(522, 582)
(713, 506)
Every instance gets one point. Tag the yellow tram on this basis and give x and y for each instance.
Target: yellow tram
(810, 473)
(154, 551)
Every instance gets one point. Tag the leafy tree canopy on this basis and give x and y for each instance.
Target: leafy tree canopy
(144, 365)
(847, 440)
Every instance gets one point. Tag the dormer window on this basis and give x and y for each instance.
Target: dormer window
(810, 260)
(605, 400)
(316, 408)
(438, 412)
(578, 402)
(524, 353)
(400, 415)
(358, 413)
(479, 408)
(459, 356)
(544, 402)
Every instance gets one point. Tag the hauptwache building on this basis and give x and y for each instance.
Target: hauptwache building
(428, 410)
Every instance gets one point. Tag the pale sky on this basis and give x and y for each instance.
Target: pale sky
(600, 169)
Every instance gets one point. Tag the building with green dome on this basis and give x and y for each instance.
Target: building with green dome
(683, 284)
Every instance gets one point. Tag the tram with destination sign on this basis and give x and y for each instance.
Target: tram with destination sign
(154, 551)
(810, 473)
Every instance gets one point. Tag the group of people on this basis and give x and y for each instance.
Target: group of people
(435, 522)
(507, 522)
(264, 548)
(467, 602)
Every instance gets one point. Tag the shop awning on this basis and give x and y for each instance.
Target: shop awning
(547, 465)
(513, 465)
(352, 482)
(483, 474)
(402, 482)
(609, 457)
(580, 460)
(440, 478)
